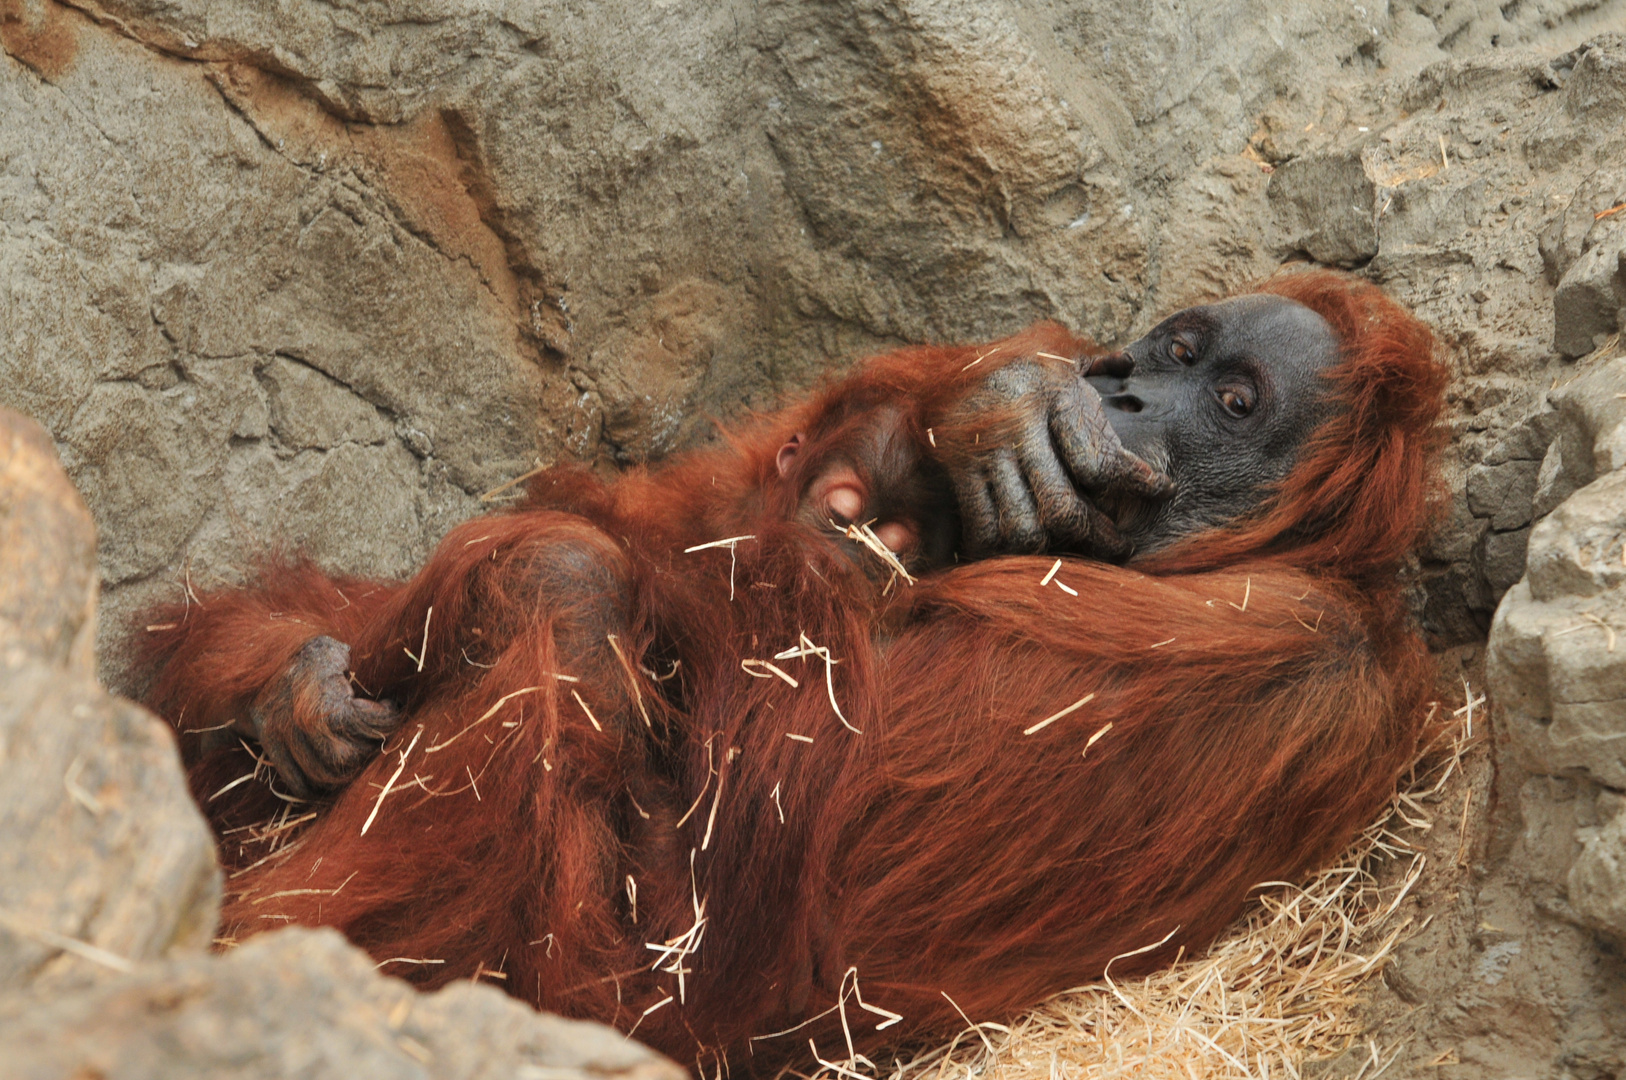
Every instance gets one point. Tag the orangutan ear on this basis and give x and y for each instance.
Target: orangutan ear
(787, 453)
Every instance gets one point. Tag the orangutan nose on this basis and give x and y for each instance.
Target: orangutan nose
(1116, 364)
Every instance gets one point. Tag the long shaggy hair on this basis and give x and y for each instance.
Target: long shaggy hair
(673, 759)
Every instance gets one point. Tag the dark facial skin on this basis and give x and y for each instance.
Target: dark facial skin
(1221, 398)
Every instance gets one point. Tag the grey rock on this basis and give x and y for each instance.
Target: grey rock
(1589, 431)
(1587, 129)
(104, 858)
(303, 1003)
(1503, 492)
(310, 410)
(1579, 226)
(1526, 440)
(1504, 555)
(1597, 880)
(154, 458)
(1589, 298)
(1579, 550)
(1595, 92)
(645, 379)
(1554, 483)
(1561, 688)
(1327, 204)
(1555, 660)
(47, 552)
(167, 263)
(1455, 602)
(1492, 75)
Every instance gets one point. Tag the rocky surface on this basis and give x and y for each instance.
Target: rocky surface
(102, 853)
(109, 890)
(304, 1003)
(321, 275)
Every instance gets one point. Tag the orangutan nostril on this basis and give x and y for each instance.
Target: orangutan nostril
(1116, 364)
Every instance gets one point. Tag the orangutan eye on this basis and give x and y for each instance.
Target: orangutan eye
(1182, 351)
(1238, 401)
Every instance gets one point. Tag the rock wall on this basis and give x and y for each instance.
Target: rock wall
(323, 275)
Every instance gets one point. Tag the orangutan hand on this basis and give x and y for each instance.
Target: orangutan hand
(1030, 453)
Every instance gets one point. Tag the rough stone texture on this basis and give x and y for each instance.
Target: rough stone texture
(99, 839)
(1329, 204)
(303, 1003)
(1590, 296)
(1559, 664)
(167, 269)
(47, 552)
(1597, 880)
(321, 274)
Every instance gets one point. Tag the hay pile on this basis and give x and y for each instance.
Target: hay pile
(1280, 990)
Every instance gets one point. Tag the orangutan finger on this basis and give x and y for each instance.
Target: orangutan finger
(979, 517)
(1020, 528)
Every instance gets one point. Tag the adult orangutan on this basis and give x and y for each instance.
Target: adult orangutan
(708, 791)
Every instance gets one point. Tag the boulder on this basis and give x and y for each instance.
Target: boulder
(1597, 880)
(1556, 658)
(104, 858)
(304, 1003)
(1590, 296)
(48, 581)
(1330, 204)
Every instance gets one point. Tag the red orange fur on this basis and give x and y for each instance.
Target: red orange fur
(1259, 688)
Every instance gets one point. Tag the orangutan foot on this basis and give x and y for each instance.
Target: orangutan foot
(313, 727)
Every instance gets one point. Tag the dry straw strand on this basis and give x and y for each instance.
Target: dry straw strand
(1053, 717)
(801, 651)
(396, 775)
(731, 544)
(865, 535)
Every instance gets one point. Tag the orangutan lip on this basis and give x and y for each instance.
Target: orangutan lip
(1155, 454)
